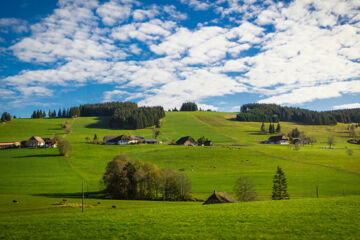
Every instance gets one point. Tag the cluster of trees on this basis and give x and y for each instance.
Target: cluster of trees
(137, 118)
(105, 109)
(38, 114)
(202, 140)
(64, 113)
(189, 106)
(127, 179)
(125, 115)
(257, 112)
(244, 188)
(5, 117)
(272, 129)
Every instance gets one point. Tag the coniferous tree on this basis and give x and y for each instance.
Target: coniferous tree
(262, 129)
(279, 185)
(278, 128)
(59, 114)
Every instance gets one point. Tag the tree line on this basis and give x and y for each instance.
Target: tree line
(62, 113)
(128, 179)
(126, 115)
(257, 112)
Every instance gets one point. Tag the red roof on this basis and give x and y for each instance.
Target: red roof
(9, 143)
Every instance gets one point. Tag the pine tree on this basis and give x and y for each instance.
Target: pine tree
(279, 185)
(278, 128)
(262, 129)
(271, 128)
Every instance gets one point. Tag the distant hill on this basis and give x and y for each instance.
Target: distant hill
(257, 112)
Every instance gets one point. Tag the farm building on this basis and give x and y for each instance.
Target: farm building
(9, 145)
(186, 141)
(277, 140)
(208, 143)
(50, 143)
(220, 197)
(35, 141)
(150, 141)
(121, 140)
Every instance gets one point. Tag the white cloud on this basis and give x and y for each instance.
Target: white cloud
(347, 106)
(197, 5)
(14, 24)
(113, 13)
(115, 95)
(308, 94)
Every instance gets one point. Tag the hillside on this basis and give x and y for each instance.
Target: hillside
(236, 153)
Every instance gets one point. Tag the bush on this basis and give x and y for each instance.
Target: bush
(64, 146)
(244, 190)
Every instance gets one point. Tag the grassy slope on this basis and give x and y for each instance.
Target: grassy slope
(38, 171)
(334, 218)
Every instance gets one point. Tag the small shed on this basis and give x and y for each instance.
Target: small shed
(220, 197)
(186, 141)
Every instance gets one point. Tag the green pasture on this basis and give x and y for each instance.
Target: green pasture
(37, 178)
(38, 218)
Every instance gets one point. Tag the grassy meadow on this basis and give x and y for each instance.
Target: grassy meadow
(38, 178)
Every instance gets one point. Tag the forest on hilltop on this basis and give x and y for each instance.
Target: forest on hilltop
(259, 112)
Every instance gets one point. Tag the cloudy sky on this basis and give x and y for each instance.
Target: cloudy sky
(220, 53)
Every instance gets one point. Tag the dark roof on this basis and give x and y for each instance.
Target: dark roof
(150, 140)
(115, 138)
(277, 138)
(220, 197)
(139, 137)
(184, 139)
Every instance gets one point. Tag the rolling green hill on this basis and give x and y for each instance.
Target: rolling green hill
(34, 174)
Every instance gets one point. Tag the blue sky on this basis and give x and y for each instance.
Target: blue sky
(220, 54)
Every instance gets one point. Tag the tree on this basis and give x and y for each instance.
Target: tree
(352, 133)
(5, 117)
(64, 146)
(271, 128)
(331, 141)
(279, 185)
(189, 106)
(244, 190)
(126, 179)
(201, 141)
(156, 132)
(278, 128)
(262, 128)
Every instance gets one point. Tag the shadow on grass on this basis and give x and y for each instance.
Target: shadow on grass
(102, 123)
(38, 156)
(95, 195)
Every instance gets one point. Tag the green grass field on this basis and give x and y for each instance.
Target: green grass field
(37, 178)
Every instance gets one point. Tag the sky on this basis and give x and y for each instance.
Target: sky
(220, 54)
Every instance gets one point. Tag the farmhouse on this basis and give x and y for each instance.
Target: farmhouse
(186, 141)
(219, 197)
(9, 145)
(35, 141)
(277, 140)
(208, 143)
(121, 140)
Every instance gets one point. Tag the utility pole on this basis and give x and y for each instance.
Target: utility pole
(82, 188)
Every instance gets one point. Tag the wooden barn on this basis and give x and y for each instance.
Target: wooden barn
(219, 197)
(35, 141)
(186, 141)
